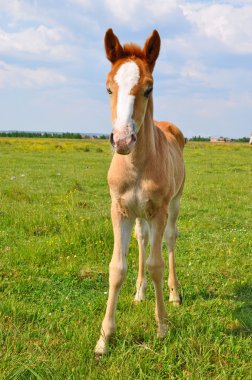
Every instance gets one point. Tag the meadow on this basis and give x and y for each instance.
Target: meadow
(55, 246)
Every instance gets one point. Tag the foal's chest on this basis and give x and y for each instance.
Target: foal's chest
(141, 201)
(137, 193)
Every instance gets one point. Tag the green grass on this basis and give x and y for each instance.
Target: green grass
(55, 245)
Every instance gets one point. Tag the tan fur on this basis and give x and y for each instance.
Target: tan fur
(170, 130)
(145, 185)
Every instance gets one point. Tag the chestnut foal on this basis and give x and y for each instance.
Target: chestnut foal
(146, 178)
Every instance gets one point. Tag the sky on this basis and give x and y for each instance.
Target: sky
(53, 66)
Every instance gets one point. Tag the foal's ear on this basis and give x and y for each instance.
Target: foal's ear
(151, 48)
(113, 48)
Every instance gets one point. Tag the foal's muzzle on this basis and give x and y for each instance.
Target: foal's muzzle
(123, 140)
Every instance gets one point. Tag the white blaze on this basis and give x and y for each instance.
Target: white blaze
(126, 77)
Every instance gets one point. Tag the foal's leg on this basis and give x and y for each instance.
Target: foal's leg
(142, 234)
(171, 234)
(156, 269)
(122, 228)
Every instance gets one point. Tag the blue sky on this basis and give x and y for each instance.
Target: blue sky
(53, 66)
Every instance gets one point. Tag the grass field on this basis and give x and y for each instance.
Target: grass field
(56, 243)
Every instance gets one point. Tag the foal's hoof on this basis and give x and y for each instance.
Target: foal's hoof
(176, 303)
(140, 293)
(101, 348)
(139, 297)
(175, 300)
(162, 331)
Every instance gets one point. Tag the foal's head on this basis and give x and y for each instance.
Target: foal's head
(129, 84)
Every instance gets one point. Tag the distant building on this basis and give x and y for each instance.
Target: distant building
(83, 136)
(218, 139)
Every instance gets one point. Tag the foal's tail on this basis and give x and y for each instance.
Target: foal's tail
(171, 129)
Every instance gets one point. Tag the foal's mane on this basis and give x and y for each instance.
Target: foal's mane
(133, 50)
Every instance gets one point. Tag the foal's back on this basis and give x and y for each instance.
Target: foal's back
(172, 133)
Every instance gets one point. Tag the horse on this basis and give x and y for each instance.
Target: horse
(146, 179)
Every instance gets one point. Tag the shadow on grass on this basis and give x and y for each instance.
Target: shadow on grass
(204, 294)
(242, 324)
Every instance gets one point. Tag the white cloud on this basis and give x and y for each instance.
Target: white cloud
(123, 10)
(58, 109)
(166, 68)
(195, 77)
(195, 71)
(206, 117)
(140, 13)
(226, 23)
(239, 3)
(162, 8)
(41, 41)
(19, 10)
(82, 3)
(202, 79)
(18, 77)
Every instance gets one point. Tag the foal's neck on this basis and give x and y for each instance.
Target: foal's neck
(145, 147)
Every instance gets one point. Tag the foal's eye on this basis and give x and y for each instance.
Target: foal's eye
(147, 92)
(109, 91)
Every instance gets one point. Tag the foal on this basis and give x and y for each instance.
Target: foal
(146, 178)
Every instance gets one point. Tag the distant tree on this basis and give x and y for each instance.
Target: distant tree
(243, 139)
(103, 137)
(199, 138)
(44, 135)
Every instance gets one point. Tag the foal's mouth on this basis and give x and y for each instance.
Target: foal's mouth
(122, 145)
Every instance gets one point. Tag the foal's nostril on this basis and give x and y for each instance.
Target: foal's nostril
(133, 137)
(111, 139)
